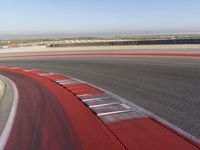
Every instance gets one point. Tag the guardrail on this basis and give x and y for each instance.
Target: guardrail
(128, 42)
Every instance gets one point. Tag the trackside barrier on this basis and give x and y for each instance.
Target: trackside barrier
(128, 42)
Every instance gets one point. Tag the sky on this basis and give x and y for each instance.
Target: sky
(23, 18)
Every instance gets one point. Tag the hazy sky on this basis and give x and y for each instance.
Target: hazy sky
(74, 17)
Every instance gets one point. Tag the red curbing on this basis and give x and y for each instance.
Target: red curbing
(55, 77)
(81, 89)
(137, 132)
(91, 132)
(37, 71)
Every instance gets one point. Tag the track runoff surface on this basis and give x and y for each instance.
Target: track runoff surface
(50, 117)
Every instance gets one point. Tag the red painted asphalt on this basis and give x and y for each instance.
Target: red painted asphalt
(108, 54)
(41, 122)
(146, 134)
(50, 117)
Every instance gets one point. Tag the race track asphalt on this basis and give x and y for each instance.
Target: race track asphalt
(168, 87)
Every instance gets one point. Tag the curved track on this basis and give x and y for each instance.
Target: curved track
(168, 87)
(48, 117)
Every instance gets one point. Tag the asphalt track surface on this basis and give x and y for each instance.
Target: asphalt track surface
(168, 87)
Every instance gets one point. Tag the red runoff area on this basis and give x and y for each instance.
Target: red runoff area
(50, 117)
(146, 134)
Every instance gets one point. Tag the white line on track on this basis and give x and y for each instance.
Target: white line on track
(114, 112)
(94, 99)
(102, 105)
(9, 124)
